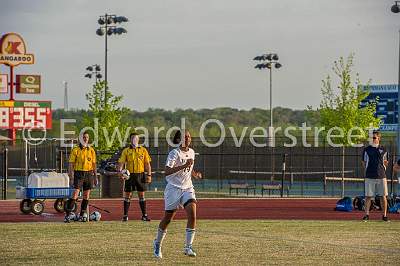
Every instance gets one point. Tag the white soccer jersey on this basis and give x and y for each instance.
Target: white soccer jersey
(183, 178)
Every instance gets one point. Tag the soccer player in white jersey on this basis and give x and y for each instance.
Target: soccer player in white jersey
(179, 192)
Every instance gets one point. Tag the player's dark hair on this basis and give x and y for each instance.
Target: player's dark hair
(177, 137)
(376, 132)
(133, 134)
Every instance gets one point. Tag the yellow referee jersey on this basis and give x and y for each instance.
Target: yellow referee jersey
(84, 158)
(135, 158)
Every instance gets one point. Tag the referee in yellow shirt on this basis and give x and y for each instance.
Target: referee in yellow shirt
(137, 161)
(82, 170)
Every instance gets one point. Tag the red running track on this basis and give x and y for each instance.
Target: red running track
(273, 209)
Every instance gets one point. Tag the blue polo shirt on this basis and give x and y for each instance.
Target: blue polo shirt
(373, 158)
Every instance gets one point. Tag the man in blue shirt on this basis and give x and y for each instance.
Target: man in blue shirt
(374, 159)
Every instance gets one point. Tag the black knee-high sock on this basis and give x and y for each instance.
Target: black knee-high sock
(127, 203)
(84, 205)
(70, 205)
(142, 203)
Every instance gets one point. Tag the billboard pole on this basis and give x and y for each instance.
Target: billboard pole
(398, 107)
(11, 83)
(12, 132)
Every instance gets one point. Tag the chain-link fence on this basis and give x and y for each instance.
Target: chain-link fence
(2, 173)
(310, 171)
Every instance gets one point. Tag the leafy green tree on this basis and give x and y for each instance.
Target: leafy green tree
(342, 108)
(106, 118)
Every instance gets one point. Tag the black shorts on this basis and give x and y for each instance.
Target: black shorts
(84, 180)
(136, 182)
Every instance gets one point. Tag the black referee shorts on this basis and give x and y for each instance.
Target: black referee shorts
(136, 182)
(84, 180)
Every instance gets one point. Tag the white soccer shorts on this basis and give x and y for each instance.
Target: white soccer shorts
(175, 197)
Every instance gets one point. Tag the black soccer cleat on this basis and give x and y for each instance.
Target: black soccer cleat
(67, 219)
(125, 218)
(366, 218)
(385, 219)
(145, 218)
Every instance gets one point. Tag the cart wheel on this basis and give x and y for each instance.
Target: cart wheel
(37, 207)
(59, 205)
(25, 206)
(74, 208)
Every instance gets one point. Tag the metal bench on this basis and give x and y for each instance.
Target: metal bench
(243, 186)
(272, 188)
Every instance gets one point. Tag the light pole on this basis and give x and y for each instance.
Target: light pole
(396, 9)
(94, 71)
(108, 27)
(269, 61)
(65, 95)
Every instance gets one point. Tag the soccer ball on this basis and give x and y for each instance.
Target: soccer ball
(72, 216)
(95, 216)
(126, 174)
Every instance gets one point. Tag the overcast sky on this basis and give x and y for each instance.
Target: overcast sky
(198, 54)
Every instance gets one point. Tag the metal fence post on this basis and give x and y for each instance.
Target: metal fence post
(26, 162)
(283, 173)
(61, 161)
(255, 165)
(204, 169)
(5, 173)
(343, 153)
(220, 167)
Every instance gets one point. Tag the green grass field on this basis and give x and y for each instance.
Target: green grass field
(228, 242)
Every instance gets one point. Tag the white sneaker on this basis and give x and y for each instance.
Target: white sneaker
(188, 250)
(67, 219)
(157, 250)
(84, 218)
(70, 218)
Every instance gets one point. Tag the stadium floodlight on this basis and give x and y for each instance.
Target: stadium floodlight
(101, 21)
(108, 28)
(271, 61)
(94, 71)
(396, 9)
(259, 58)
(100, 32)
(120, 30)
(110, 20)
(111, 31)
(120, 19)
(260, 66)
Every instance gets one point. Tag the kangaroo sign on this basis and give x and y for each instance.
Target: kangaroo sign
(13, 50)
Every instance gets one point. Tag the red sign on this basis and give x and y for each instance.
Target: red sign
(25, 115)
